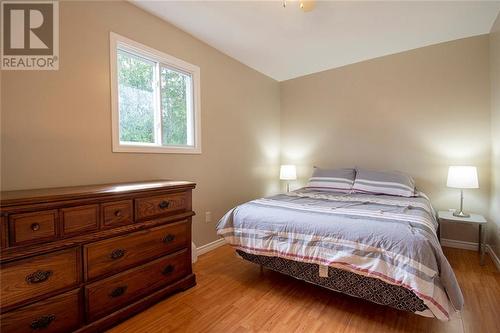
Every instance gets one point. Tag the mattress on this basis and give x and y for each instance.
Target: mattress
(388, 238)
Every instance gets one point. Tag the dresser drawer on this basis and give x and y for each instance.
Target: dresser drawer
(79, 219)
(40, 275)
(34, 227)
(166, 204)
(4, 230)
(115, 254)
(108, 295)
(117, 213)
(56, 314)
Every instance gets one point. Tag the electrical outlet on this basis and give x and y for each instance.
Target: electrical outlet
(208, 217)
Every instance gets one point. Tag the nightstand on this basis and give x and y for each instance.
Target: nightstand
(475, 219)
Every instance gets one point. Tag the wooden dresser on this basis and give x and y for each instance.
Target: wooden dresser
(85, 258)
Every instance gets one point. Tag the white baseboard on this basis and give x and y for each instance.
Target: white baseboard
(471, 246)
(459, 244)
(210, 246)
(493, 256)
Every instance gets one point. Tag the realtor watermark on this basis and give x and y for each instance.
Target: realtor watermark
(30, 35)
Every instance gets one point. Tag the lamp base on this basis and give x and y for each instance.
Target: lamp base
(461, 214)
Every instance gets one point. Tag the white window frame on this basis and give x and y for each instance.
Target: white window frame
(168, 61)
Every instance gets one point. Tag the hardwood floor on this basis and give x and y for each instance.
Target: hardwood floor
(233, 296)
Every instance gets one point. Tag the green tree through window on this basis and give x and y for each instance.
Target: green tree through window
(136, 98)
(174, 107)
(155, 102)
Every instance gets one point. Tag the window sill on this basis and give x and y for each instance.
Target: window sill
(156, 149)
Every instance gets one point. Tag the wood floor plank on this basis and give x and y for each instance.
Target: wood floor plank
(232, 295)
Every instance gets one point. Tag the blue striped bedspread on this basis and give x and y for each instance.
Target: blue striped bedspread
(390, 238)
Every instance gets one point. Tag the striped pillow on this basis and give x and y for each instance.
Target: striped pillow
(338, 179)
(378, 182)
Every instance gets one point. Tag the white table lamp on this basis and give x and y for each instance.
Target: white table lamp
(462, 177)
(288, 172)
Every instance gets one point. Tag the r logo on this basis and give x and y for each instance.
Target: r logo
(29, 33)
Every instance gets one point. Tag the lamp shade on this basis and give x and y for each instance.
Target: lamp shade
(288, 172)
(462, 177)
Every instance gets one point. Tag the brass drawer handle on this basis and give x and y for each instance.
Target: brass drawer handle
(118, 213)
(164, 204)
(118, 291)
(168, 270)
(168, 238)
(117, 254)
(43, 322)
(38, 276)
(35, 226)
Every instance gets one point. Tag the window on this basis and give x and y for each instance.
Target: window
(155, 100)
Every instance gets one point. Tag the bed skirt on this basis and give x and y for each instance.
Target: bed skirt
(349, 283)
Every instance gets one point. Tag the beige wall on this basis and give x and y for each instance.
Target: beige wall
(495, 134)
(56, 125)
(418, 111)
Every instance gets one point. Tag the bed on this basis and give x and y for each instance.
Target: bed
(379, 247)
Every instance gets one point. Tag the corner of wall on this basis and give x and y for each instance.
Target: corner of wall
(494, 39)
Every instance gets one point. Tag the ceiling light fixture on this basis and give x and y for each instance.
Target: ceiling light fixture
(305, 5)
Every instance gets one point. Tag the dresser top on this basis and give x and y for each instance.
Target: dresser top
(9, 198)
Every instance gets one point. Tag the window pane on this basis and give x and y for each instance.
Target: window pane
(176, 108)
(136, 98)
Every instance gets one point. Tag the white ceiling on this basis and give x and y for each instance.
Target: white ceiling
(284, 43)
